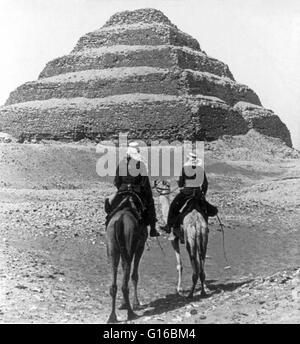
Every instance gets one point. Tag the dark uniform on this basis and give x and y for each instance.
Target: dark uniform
(192, 181)
(126, 179)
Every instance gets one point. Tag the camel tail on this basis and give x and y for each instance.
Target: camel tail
(197, 239)
(201, 241)
(123, 237)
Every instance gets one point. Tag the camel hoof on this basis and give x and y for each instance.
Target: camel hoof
(137, 307)
(123, 306)
(179, 291)
(203, 293)
(112, 319)
(190, 296)
(132, 316)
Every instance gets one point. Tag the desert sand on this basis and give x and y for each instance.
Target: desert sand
(53, 266)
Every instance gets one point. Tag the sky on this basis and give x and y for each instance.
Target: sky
(258, 39)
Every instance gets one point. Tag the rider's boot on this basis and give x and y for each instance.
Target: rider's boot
(166, 228)
(153, 231)
(179, 234)
(171, 236)
(107, 208)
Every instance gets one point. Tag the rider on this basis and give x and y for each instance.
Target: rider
(127, 178)
(192, 181)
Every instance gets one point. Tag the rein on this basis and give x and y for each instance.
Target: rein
(223, 241)
(159, 244)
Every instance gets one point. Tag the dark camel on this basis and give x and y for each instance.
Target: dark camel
(126, 239)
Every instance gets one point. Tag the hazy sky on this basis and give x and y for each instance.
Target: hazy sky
(258, 39)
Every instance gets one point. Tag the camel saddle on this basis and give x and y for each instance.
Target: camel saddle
(137, 208)
(193, 202)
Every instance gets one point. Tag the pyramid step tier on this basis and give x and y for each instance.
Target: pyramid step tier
(126, 80)
(142, 15)
(264, 121)
(162, 56)
(136, 34)
(138, 73)
(144, 116)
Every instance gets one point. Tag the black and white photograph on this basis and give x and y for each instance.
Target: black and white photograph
(150, 164)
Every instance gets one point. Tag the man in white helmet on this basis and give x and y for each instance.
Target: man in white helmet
(126, 178)
(192, 183)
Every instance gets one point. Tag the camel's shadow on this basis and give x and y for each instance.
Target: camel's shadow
(175, 301)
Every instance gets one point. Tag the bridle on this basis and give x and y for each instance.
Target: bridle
(163, 191)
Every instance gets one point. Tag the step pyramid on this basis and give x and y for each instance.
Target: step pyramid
(138, 74)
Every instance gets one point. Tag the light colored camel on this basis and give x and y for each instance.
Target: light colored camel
(196, 238)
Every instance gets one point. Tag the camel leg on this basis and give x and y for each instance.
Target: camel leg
(114, 258)
(135, 275)
(202, 277)
(124, 304)
(135, 278)
(126, 275)
(191, 248)
(202, 255)
(176, 247)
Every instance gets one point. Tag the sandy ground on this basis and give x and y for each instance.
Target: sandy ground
(53, 265)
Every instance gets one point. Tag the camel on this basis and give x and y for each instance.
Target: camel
(126, 239)
(195, 229)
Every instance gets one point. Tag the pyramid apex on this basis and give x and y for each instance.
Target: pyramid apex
(144, 15)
